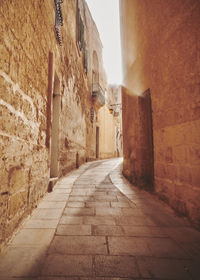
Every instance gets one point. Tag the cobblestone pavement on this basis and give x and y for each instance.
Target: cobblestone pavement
(94, 225)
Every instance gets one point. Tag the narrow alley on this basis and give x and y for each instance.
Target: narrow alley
(95, 225)
(100, 140)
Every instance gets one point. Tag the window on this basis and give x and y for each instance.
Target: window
(80, 31)
(58, 20)
(81, 39)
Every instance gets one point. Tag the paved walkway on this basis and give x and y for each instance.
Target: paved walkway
(94, 225)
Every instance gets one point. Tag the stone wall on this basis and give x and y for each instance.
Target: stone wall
(161, 47)
(36, 75)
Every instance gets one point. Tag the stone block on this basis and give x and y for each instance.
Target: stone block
(52, 205)
(167, 268)
(40, 224)
(56, 197)
(75, 204)
(116, 266)
(24, 262)
(46, 214)
(108, 211)
(78, 245)
(79, 211)
(17, 203)
(108, 230)
(106, 198)
(98, 204)
(144, 231)
(99, 220)
(81, 198)
(71, 220)
(59, 265)
(120, 204)
(129, 246)
(73, 229)
(135, 221)
(33, 238)
(5, 59)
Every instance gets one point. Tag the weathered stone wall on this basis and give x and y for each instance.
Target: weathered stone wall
(161, 49)
(31, 62)
(93, 44)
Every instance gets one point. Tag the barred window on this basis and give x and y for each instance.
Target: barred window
(81, 39)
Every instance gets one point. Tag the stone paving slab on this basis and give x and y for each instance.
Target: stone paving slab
(74, 230)
(107, 211)
(76, 204)
(52, 204)
(99, 220)
(61, 265)
(45, 214)
(56, 197)
(143, 231)
(116, 266)
(81, 198)
(33, 237)
(21, 261)
(108, 230)
(62, 190)
(167, 268)
(79, 211)
(137, 246)
(135, 221)
(85, 191)
(71, 220)
(121, 204)
(37, 224)
(129, 246)
(98, 204)
(78, 245)
(111, 198)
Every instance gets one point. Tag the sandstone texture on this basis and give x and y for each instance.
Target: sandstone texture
(160, 49)
(46, 128)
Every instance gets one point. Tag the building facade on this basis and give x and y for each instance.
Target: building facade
(52, 86)
(161, 95)
(110, 124)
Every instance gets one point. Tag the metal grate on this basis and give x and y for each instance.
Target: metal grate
(58, 20)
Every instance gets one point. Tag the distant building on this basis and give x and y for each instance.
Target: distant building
(109, 119)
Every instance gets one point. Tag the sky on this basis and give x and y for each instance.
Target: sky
(106, 16)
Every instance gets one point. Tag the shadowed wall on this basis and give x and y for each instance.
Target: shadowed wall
(160, 49)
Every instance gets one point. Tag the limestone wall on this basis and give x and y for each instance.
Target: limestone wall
(37, 76)
(161, 45)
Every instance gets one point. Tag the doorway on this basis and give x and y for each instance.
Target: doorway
(97, 142)
(55, 128)
(147, 153)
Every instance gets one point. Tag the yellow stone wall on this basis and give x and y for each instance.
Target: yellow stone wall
(31, 61)
(160, 49)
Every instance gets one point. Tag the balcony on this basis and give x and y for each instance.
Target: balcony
(98, 94)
